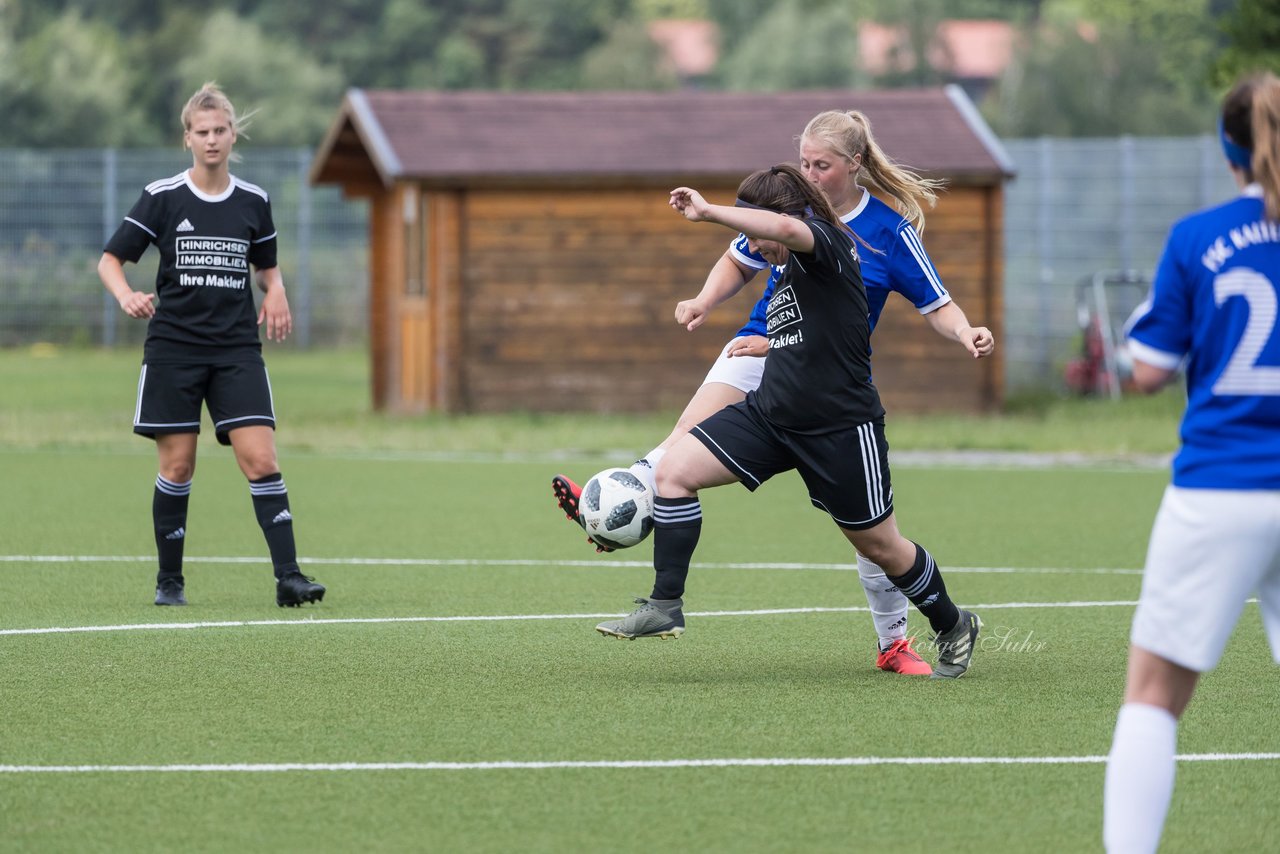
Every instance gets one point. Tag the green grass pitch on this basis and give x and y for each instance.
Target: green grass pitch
(451, 694)
(400, 665)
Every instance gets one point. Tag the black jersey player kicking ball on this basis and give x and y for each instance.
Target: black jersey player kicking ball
(815, 411)
(202, 347)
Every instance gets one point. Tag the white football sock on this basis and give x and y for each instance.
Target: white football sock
(646, 468)
(888, 604)
(1139, 781)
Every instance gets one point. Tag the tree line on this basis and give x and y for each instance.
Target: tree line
(91, 74)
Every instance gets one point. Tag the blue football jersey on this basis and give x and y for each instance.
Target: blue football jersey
(901, 264)
(1212, 308)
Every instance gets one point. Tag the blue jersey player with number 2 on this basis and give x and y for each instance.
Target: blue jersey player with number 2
(1216, 539)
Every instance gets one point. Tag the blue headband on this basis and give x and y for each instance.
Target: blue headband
(1237, 155)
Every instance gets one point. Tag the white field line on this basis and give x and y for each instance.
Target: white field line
(972, 460)
(491, 618)
(601, 563)
(858, 761)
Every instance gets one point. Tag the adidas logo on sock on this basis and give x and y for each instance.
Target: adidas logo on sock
(282, 516)
(176, 535)
(185, 225)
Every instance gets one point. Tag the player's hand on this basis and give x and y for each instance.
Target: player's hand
(275, 313)
(691, 313)
(689, 203)
(138, 304)
(978, 340)
(749, 345)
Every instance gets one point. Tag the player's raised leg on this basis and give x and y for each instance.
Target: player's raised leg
(677, 526)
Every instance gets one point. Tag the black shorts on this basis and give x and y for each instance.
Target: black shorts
(846, 471)
(238, 394)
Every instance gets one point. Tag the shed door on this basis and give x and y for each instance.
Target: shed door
(415, 325)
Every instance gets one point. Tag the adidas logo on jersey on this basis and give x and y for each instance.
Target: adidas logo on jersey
(185, 225)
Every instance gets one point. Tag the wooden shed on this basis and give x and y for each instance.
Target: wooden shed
(523, 256)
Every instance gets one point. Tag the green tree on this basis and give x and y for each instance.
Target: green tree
(69, 85)
(919, 21)
(1252, 30)
(1184, 47)
(294, 96)
(796, 45)
(1069, 84)
(627, 59)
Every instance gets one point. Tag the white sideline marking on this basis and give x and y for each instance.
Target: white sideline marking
(860, 761)
(308, 621)
(602, 563)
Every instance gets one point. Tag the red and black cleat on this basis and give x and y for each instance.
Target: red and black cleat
(567, 495)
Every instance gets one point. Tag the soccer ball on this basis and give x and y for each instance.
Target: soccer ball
(616, 508)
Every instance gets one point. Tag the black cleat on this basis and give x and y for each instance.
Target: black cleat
(169, 592)
(294, 589)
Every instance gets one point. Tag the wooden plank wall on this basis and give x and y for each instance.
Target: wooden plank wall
(569, 298)
(918, 370)
(562, 300)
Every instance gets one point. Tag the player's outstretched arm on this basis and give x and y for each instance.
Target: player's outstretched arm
(950, 322)
(758, 224)
(726, 278)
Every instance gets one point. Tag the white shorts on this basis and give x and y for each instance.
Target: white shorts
(741, 372)
(1210, 551)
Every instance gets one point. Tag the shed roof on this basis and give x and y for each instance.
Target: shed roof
(461, 138)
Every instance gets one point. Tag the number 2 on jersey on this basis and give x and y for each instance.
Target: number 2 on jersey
(1243, 375)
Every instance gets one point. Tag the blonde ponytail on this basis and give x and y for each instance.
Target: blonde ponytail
(1265, 115)
(848, 133)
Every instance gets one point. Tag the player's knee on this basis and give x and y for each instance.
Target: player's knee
(258, 466)
(178, 471)
(670, 480)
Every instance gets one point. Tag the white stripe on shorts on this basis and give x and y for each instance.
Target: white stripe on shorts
(743, 473)
(871, 468)
(137, 409)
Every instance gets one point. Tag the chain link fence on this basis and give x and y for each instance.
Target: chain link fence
(1086, 208)
(1077, 207)
(58, 207)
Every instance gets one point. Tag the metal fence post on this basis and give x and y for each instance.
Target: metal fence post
(303, 324)
(110, 217)
(1044, 255)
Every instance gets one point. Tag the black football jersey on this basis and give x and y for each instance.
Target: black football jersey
(818, 374)
(208, 246)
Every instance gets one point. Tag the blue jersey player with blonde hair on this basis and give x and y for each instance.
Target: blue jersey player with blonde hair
(1212, 312)
(838, 153)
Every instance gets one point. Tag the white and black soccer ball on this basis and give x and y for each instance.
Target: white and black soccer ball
(616, 508)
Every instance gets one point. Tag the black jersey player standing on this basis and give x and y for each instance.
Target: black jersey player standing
(202, 347)
(816, 411)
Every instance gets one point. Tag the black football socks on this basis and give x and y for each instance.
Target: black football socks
(169, 515)
(271, 506)
(922, 584)
(677, 524)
